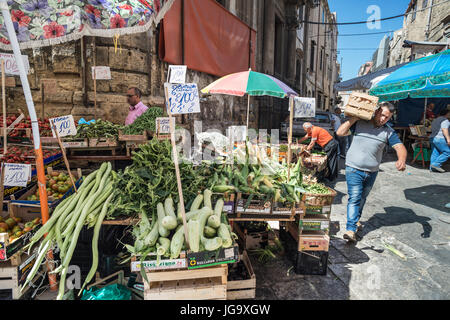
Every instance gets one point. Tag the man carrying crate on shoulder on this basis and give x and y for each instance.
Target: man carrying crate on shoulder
(364, 158)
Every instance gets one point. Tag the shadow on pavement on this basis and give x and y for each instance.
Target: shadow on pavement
(395, 216)
(434, 196)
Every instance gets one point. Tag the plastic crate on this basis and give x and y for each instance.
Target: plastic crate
(426, 154)
(311, 263)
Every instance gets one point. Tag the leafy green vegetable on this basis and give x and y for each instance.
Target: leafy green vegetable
(147, 121)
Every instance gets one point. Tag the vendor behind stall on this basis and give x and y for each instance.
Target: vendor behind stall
(329, 145)
(429, 114)
(136, 108)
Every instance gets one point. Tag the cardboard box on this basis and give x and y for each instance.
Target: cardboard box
(211, 258)
(228, 199)
(164, 264)
(52, 203)
(314, 225)
(313, 242)
(7, 249)
(318, 209)
(361, 105)
(256, 206)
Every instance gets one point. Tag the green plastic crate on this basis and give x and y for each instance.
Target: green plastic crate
(426, 154)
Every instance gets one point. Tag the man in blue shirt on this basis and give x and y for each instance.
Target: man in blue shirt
(364, 158)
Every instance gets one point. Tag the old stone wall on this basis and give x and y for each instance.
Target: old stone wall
(134, 62)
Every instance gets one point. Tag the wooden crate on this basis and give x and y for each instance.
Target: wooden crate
(14, 272)
(103, 142)
(243, 289)
(317, 199)
(256, 206)
(198, 284)
(361, 105)
(82, 143)
(309, 240)
(133, 137)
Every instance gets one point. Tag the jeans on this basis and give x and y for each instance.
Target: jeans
(359, 184)
(440, 152)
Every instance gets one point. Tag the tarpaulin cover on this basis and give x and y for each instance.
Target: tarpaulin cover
(410, 111)
(215, 41)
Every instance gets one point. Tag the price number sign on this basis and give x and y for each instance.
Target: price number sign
(65, 126)
(182, 98)
(163, 125)
(17, 174)
(304, 107)
(11, 66)
(177, 74)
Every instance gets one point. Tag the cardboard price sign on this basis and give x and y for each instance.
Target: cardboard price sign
(65, 126)
(304, 107)
(163, 125)
(17, 174)
(177, 74)
(101, 73)
(11, 64)
(182, 98)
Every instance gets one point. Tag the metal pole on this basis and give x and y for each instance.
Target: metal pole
(34, 122)
(425, 111)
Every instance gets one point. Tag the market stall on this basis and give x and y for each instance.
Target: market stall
(174, 225)
(425, 80)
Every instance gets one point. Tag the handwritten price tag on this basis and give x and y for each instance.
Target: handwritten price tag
(17, 174)
(101, 73)
(177, 74)
(304, 107)
(11, 64)
(163, 125)
(65, 126)
(182, 98)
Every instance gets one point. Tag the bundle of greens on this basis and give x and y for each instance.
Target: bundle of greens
(151, 179)
(147, 121)
(98, 129)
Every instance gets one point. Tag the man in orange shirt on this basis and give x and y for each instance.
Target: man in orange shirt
(329, 145)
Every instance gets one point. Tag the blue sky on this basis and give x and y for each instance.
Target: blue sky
(356, 10)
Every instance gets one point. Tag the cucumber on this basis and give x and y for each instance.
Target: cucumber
(209, 232)
(163, 232)
(169, 222)
(207, 198)
(197, 202)
(213, 221)
(211, 244)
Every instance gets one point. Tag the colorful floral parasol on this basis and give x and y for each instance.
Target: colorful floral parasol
(48, 22)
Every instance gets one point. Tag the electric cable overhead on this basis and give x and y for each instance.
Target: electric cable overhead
(374, 20)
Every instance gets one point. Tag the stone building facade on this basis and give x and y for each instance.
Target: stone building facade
(320, 54)
(424, 21)
(64, 71)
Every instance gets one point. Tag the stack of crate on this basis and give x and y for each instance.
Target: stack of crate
(311, 230)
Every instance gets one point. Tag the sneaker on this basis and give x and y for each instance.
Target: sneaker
(437, 169)
(350, 236)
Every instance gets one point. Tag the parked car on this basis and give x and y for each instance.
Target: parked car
(322, 119)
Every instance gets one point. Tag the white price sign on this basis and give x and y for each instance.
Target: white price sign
(17, 174)
(182, 98)
(11, 64)
(304, 107)
(237, 133)
(177, 74)
(65, 126)
(163, 125)
(101, 73)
